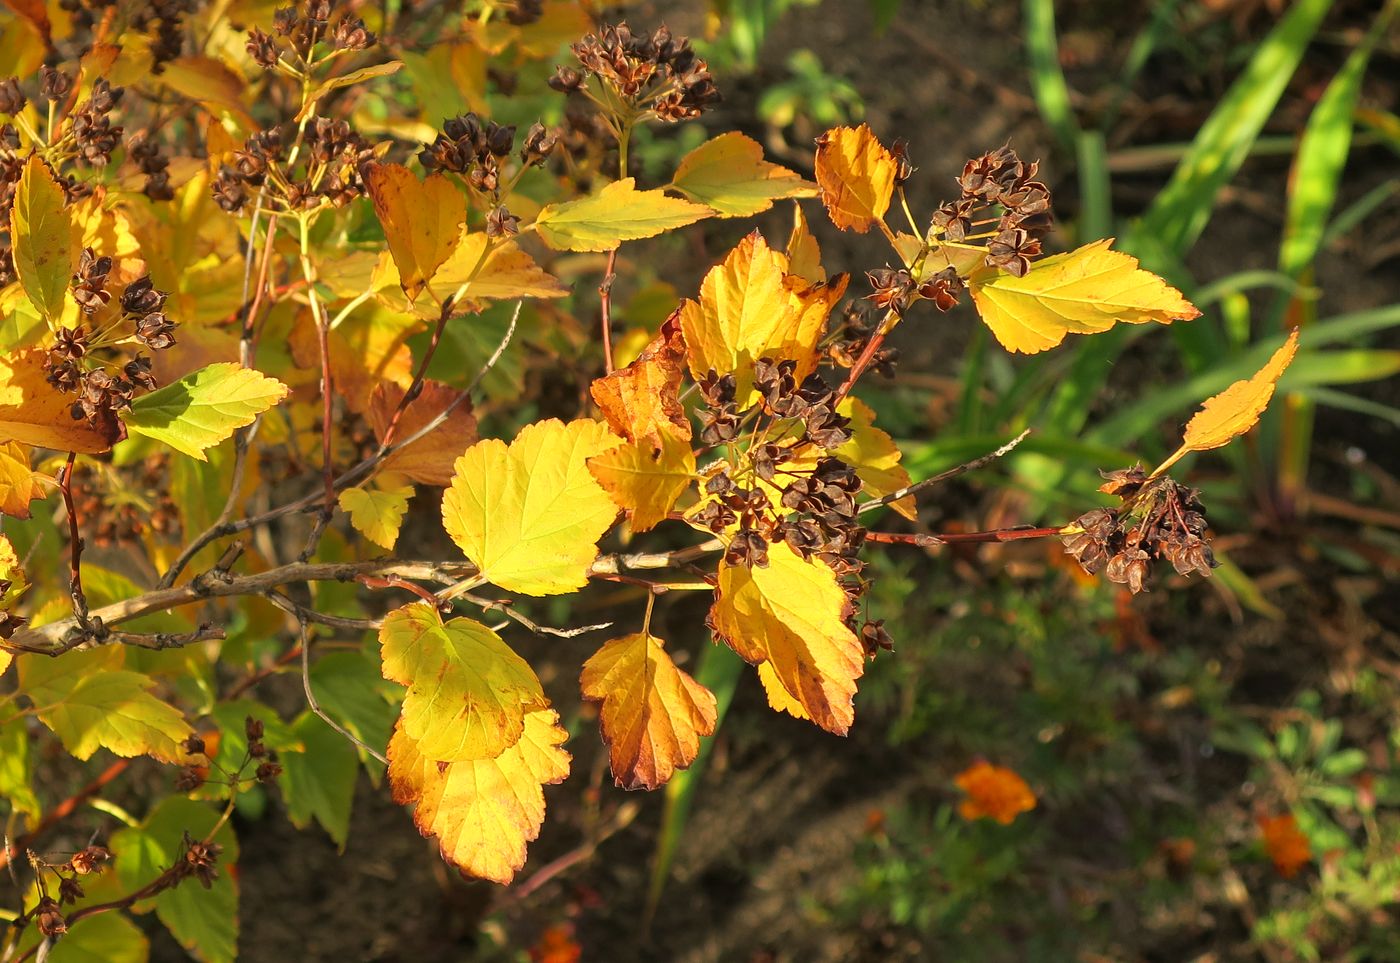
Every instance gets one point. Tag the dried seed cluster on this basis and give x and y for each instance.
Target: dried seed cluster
(1158, 519)
(853, 336)
(657, 73)
(303, 30)
(92, 365)
(144, 505)
(324, 169)
(1000, 179)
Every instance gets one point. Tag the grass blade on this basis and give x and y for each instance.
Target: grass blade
(1047, 78)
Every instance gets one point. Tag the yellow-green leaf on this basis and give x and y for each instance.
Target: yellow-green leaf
(874, 456)
(653, 714)
(204, 407)
(791, 615)
(349, 80)
(856, 176)
(468, 692)
(1085, 291)
(482, 811)
(751, 308)
(530, 514)
(617, 213)
(422, 220)
(729, 174)
(90, 702)
(377, 512)
(41, 238)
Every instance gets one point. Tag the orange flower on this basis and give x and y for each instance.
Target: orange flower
(1285, 844)
(993, 792)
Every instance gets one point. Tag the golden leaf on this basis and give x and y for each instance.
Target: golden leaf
(36, 413)
(729, 174)
(482, 811)
(1226, 416)
(507, 273)
(468, 692)
(993, 792)
(428, 460)
(617, 213)
(41, 238)
(1084, 291)
(856, 176)
(750, 308)
(653, 714)
(18, 484)
(874, 456)
(530, 514)
(377, 512)
(422, 220)
(646, 478)
(642, 400)
(792, 615)
(804, 254)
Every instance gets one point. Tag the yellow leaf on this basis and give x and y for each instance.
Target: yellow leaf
(90, 702)
(730, 175)
(642, 400)
(508, 272)
(422, 220)
(468, 693)
(430, 459)
(41, 415)
(617, 213)
(349, 80)
(856, 177)
(646, 478)
(41, 236)
(791, 615)
(483, 811)
(18, 484)
(874, 456)
(653, 714)
(213, 84)
(750, 308)
(1235, 410)
(804, 254)
(778, 698)
(530, 515)
(1085, 291)
(377, 513)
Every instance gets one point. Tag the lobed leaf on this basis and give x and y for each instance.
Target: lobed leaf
(653, 714)
(856, 176)
(377, 513)
(41, 233)
(468, 692)
(204, 407)
(646, 478)
(791, 615)
(530, 514)
(728, 173)
(617, 213)
(482, 811)
(1085, 291)
(33, 412)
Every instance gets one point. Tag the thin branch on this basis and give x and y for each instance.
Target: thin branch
(962, 469)
(316, 708)
(75, 545)
(1014, 534)
(63, 810)
(502, 605)
(605, 299)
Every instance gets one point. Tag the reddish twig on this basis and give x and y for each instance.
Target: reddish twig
(416, 387)
(63, 810)
(605, 296)
(953, 538)
(75, 545)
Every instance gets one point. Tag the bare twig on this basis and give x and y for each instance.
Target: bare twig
(75, 545)
(502, 605)
(1014, 534)
(962, 469)
(605, 300)
(316, 708)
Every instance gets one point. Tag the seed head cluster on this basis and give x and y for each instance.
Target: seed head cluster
(657, 73)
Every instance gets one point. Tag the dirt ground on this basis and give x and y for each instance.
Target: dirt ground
(783, 804)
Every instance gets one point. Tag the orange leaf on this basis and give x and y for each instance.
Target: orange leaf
(482, 811)
(804, 255)
(422, 220)
(653, 714)
(856, 177)
(18, 484)
(36, 413)
(1235, 410)
(1285, 843)
(643, 399)
(993, 792)
(428, 460)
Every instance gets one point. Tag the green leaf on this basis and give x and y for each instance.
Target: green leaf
(468, 692)
(205, 921)
(42, 238)
(16, 770)
(204, 407)
(617, 213)
(319, 783)
(350, 689)
(90, 702)
(103, 938)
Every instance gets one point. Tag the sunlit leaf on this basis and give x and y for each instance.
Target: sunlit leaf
(1085, 291)
(1226, 416)
(19, 485)
(41, 238)
(617, 213)
(483, 812)
(856, 176)
(422, 220)
(653, 714)
(642, 399)
(791, 614)
(203, 408)
(803, 253)
(377, 511)
(729, 174)
(530, 514)
(874, 456)
(468, 692)
(646, 478)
